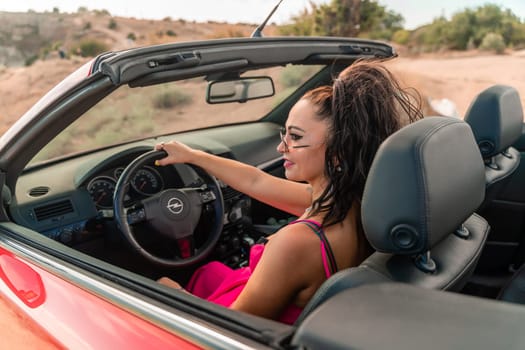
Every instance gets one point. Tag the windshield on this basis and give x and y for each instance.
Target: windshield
(136, 113)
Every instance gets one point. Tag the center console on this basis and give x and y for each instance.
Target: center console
(238, 234)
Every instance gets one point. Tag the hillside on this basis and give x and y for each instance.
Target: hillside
(452, 76)
(29, 34)
(24, 36)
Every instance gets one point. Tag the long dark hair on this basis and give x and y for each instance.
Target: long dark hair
(364, 105)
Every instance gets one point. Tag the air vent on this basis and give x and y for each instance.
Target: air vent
(53, 210)
(38, 191)
(229, 193)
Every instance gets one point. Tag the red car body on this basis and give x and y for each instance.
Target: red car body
(43, 311)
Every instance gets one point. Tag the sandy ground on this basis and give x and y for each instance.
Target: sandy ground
(460, 79)
(21, 87)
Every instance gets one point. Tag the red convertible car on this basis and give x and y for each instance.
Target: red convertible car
(81, 244)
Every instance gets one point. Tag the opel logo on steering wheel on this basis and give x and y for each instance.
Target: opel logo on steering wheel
(175, 205)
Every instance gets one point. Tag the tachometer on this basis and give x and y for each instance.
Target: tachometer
(147, 181)
(118, 172)
(101, 190)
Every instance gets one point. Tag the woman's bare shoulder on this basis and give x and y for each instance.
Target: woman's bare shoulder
(295, 240)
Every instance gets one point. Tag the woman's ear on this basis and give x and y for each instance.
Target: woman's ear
(336, 164)
(335, 161)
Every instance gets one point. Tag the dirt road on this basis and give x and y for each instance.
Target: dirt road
(460, 79)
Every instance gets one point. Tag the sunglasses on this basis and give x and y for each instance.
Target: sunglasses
(289, 144)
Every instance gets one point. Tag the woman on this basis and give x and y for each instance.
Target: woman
(328, 144)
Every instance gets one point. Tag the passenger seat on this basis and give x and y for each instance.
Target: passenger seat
(496, 119)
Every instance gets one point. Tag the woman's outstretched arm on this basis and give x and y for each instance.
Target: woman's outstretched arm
(290, 196)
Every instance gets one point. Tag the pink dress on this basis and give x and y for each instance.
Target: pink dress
(221, 284)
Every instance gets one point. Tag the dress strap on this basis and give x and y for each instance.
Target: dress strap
(262, 240)
(329, 261)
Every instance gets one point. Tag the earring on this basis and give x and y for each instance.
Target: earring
(338, 169)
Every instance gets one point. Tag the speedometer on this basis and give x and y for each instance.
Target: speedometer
(101, 190)
(147, 181)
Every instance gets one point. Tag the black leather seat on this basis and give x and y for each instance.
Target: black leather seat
(514, 290)
(496, 118)
(423, 188)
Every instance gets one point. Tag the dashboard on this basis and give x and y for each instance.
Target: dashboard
(83, 211)
(71, 200)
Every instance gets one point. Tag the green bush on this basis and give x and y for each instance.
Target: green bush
(90, 48)
(100, 13)
(30, 60)
(112, 24)
(293, 76)
(493, 42)
(169, 98)
(170, 32)
(401, 37)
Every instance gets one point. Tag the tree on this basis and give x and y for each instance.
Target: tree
(468, 29)
(516, 35)
(431, 37)
(350, 18)
(303, 24)
(339, 18)
(460, 29)
(377, 22)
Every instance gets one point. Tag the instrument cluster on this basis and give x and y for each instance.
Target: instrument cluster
(145, 182)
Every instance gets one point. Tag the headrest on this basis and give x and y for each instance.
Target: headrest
(496, 118)
(425, 181)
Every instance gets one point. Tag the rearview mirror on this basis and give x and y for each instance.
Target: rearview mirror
(239, 90)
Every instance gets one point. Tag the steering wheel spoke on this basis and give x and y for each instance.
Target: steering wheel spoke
(207, 196)
(186, 247)
(136, 214)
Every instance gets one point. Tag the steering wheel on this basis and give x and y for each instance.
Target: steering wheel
(173, 213)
